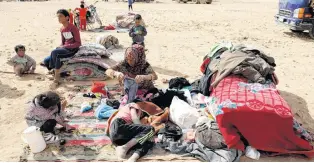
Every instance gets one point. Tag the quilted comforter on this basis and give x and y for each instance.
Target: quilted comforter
(258, 113)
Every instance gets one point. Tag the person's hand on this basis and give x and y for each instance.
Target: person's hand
(64, 104)
(119, 76)
(69, 128)
(140, 78)
(139, 32)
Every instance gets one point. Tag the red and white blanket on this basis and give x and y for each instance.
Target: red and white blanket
(259, 113)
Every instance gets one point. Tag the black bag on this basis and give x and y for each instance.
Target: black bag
(178, 83)
(171, 130)
(204, 83)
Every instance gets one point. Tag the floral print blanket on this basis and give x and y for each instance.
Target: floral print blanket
(257, 113)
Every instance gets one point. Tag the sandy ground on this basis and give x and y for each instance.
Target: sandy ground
(179, 35)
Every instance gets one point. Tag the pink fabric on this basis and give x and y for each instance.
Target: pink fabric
(125, 112)
(140, 93)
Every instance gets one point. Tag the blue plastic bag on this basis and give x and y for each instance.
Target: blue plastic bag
(104, 111)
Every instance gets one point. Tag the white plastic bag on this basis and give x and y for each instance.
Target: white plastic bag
(182, 114)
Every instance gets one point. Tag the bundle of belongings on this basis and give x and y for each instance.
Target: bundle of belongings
(91, 61)
(109, 42)
(174, 120)
(248, 108)
(127, 20)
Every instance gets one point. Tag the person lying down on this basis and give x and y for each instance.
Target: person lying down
(130, 129)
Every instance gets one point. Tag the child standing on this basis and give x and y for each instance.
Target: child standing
(21, 62)
(130, 2)
(45, 112)
(83, 12)
(138, 31)
(71, 16)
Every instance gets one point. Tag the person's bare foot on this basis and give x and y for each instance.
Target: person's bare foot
(54, 85)
(121, 151)
(133, 158)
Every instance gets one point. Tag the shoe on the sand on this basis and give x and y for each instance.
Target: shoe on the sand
(51, 138)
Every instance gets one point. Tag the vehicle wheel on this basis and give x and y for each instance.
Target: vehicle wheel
(311, 32)
(209, 1)
(77, 22)
(99, 21)
(296, 31)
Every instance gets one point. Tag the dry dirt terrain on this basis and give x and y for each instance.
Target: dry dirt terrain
(179, 35)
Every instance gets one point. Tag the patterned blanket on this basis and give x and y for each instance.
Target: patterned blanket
(89, 142)
(259, 113)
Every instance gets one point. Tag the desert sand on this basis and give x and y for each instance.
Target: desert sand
(179, 35)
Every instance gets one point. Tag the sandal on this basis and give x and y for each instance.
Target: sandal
(50, 138)
(42, 64)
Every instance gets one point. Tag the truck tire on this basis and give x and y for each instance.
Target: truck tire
(296, 31)
(311, 32)
(209, 1)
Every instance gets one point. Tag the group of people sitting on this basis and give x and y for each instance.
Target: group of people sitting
(45, 110)
(71, 42)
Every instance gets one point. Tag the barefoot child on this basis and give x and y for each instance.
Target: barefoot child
(126, 132)
(21, 62)
(45, 112)
(138, 32)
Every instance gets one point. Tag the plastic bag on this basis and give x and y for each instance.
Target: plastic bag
(182, 114)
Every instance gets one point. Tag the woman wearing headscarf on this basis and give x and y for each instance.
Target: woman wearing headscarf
(134, 66)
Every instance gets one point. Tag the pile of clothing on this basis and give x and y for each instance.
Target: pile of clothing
(109, 42)
(93, 50)
(241, 85)
(127, 20)
(186, 131)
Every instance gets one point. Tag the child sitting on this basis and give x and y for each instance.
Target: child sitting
(129, 129)
(137, 32)
(126, 132)
(21, 62)
(45, 112)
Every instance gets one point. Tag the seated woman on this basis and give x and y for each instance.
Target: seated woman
(71, 41)
(134, 66)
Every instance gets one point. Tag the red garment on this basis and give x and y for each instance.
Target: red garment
(71, 18)
(260, 114)
(83, 12)
(83, 24)
(70, 37)
(99, 87)
(204, 65)
(110, 27)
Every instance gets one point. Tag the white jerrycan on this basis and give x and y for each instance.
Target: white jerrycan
(33, 137)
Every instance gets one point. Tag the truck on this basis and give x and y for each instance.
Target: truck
(196, 1)
(297, 15)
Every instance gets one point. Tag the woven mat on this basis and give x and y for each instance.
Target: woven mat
(88, 142)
